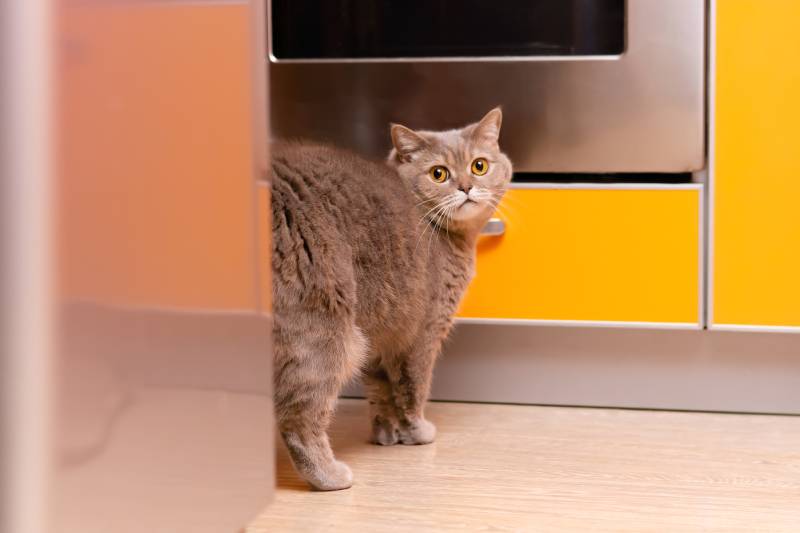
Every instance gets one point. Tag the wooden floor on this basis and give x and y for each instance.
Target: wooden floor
(524, 468)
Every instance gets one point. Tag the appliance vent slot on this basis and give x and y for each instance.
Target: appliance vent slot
(622, 177)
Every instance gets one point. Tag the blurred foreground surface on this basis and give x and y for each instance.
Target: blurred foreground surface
(136, 364)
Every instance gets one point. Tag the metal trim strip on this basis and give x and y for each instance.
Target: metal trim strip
(609, 186)
(711, 104)
(754, 328)
(579, 323)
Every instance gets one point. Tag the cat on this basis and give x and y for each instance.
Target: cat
(370, 260)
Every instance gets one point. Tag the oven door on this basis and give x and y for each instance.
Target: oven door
(586, 85)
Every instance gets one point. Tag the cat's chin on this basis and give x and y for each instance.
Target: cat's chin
(469, 211)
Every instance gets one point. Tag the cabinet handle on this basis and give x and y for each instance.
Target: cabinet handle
(494, 228)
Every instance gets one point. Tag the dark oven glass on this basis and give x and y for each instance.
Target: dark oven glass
(351, 29)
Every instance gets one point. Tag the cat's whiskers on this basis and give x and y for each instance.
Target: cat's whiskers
(497, 203)
(434, 228)
(439, 204)
(509, 202)
(503, 196)
(447, 201)
(482, 194)
(426, 218)
(493, 199)
(506, 211)
(486, 195)
(442, 214)
(512, 211)
(509, 197)
(504, 214)
(451, 202)
(446, 216)
(448, 213)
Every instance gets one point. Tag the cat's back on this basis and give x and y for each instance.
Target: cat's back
(330, 178)
(333, 209)
(322, 165)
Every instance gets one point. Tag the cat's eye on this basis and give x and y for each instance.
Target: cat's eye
(439, 174)
(480, 166)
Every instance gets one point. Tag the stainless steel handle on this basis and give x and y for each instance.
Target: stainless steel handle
(494, 227)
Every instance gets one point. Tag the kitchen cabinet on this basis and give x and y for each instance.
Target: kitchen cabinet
(619, 254)
(755, 252)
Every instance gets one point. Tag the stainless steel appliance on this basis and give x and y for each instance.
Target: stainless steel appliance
(593, 86)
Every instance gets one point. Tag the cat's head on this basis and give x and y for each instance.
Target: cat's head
(459, 175)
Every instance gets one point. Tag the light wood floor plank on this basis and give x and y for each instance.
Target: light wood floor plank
(525, 468)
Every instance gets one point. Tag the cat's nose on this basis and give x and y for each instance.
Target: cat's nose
(465, 188)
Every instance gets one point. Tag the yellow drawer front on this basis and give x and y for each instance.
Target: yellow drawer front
(756, 250)
(591, 255)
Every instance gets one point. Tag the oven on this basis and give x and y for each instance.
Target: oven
(587, 86)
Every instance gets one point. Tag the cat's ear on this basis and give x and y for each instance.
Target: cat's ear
(406, 141)
(489, 126)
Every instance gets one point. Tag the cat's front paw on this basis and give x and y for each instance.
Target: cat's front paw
(334, 475)
(384, 431)
(418, 431)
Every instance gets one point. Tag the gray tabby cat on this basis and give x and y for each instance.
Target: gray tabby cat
(370, 260)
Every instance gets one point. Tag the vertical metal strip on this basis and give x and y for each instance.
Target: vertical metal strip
(710, 185)
(26, 309)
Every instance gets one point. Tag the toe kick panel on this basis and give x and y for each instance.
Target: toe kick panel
(610, 255)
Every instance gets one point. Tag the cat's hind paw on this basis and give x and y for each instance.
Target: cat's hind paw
(384, 432)
(418, 431)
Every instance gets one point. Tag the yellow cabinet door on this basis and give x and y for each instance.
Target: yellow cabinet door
(596, 255)
(756, 178)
